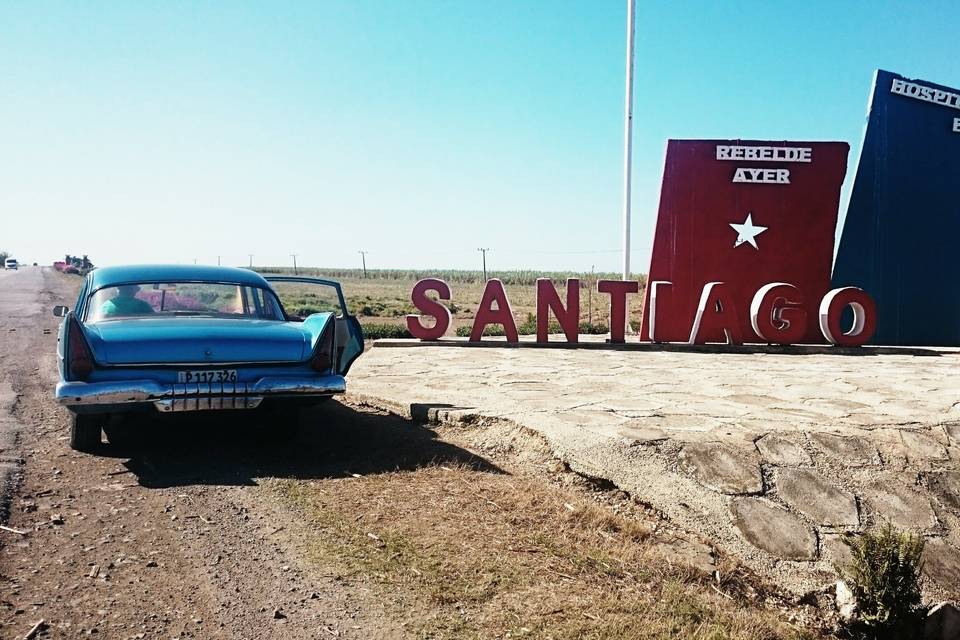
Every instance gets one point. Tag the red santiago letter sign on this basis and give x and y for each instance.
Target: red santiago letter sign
(742, 254)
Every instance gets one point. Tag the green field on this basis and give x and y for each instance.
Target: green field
(381, 300)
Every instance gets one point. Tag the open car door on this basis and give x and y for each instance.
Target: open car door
(302, 296)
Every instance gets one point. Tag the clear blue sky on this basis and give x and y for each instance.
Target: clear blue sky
(418, 131)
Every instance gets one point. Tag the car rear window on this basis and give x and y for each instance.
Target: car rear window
(182, 299)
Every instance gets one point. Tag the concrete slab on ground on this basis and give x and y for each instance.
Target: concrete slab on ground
(772, 456)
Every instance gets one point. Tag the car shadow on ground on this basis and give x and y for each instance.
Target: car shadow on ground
(331, 441)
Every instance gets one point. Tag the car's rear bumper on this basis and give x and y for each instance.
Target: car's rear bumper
(128, 394)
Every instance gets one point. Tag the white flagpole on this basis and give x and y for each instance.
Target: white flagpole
(628, 141)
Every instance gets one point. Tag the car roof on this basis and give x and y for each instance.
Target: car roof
(111, 276)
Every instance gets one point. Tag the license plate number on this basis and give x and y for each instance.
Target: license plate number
(216, 375)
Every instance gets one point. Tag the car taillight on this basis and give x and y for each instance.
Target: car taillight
(81, 358)
(322, 359)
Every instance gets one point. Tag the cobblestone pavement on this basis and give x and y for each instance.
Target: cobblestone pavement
(772, 457)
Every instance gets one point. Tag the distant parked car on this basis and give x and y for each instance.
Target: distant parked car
(10, 263)
(195, 338)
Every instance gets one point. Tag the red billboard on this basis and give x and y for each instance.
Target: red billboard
(743, 246)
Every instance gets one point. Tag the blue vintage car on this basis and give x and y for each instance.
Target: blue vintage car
(173, 338)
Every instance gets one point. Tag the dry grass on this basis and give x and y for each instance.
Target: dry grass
(460, 553)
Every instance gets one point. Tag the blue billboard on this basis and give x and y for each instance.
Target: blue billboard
(901, 237)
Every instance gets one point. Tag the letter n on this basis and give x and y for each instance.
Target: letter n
(548, 300)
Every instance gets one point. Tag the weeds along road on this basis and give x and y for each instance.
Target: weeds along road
(366, 525)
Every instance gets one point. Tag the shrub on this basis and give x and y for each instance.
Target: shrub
(375, 331)
(529, 326)
(594, 329)
(303, 310)
(491, 330)
(884, 576)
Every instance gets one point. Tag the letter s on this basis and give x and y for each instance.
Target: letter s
(429, 307)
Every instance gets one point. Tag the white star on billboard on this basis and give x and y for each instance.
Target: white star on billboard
(747, 232)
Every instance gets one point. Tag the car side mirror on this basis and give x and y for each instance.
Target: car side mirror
(61, 311)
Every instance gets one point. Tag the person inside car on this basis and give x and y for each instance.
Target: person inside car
(126, 303)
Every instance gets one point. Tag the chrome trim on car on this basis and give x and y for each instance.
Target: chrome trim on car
(197, 396)
(208, 403)
(204, 364)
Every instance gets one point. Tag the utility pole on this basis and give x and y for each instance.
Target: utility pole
(294, 256)
(218, 261)
(628, 139)
(484, 252)
(363, 256)
(251, 260)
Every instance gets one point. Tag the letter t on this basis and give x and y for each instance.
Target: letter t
(618, 290)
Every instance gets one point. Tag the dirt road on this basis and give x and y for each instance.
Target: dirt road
(22, 297)
(366, 525)
(170, 537)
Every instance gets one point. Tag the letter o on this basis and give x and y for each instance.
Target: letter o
(864, 316)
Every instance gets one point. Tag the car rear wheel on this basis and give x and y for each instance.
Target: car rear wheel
(85, 432)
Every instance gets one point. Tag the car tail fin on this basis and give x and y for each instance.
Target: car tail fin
(323, 352)
(80, 357)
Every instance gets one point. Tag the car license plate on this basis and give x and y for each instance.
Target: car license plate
(210, 375)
